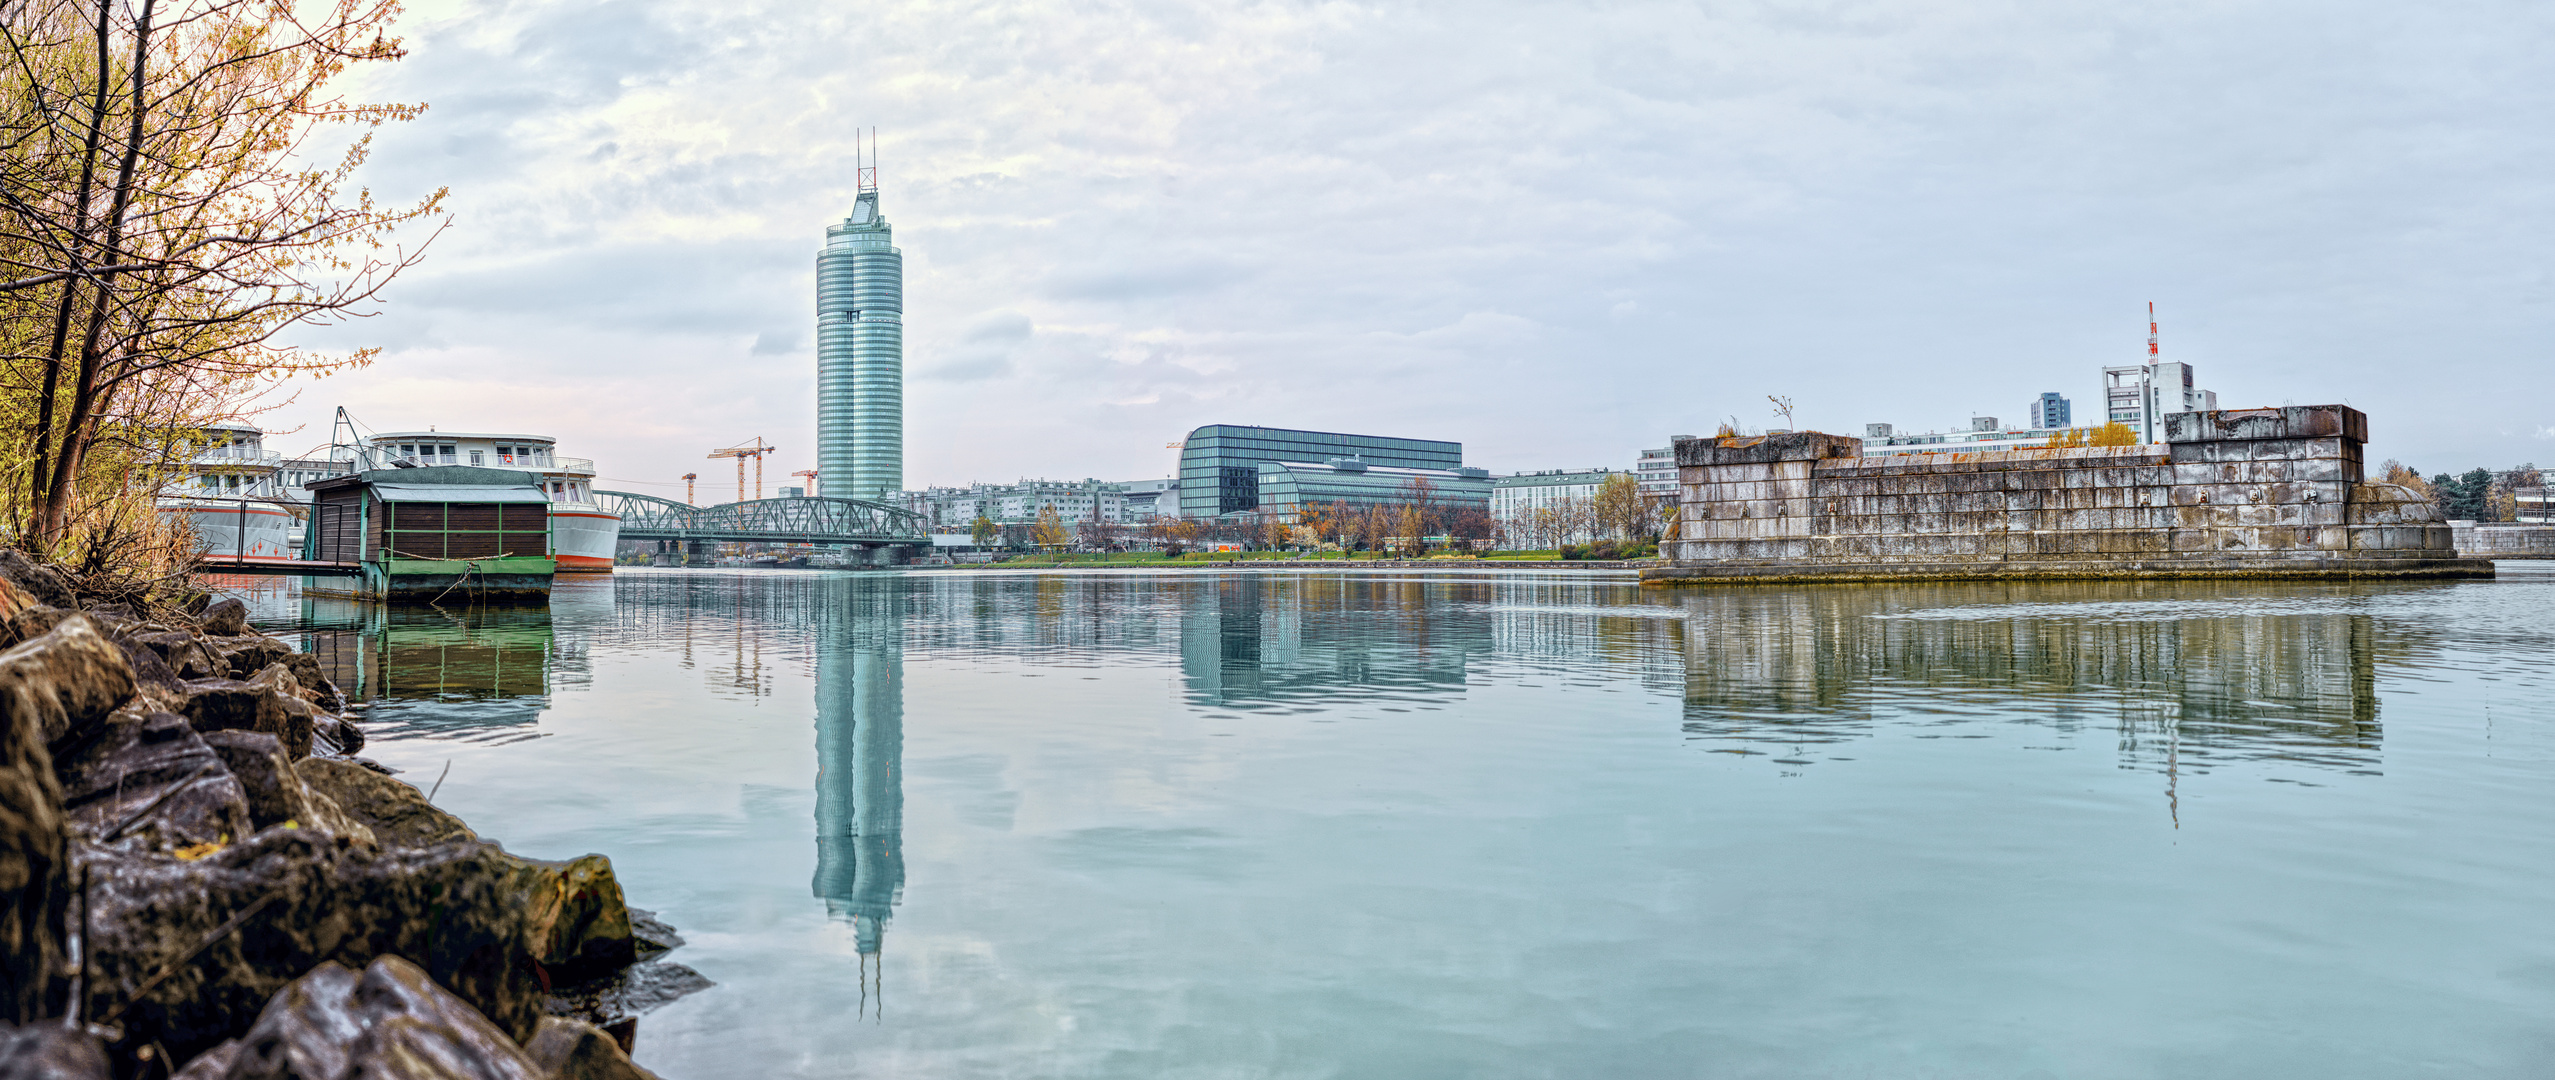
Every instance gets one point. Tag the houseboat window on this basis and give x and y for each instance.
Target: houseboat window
(475, 458)
(451, 452)
(212, 481)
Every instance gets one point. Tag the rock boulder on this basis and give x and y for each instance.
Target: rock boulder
(181, 652)
(34, 873)
(397, 813)
(226, 617)
(389, 1021)
(154, 768)
(456, 910)
(69, 677)
(232, 705)
(579, 918)
(275, 793)
(576, 1050)
(244, 657)
(53, 1051)
(47, 585)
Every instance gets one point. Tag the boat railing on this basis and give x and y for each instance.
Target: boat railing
(574, 465)
(239, 457)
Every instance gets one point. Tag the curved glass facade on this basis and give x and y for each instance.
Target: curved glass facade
(1220, 463)
(1288, 488)
(860, 357)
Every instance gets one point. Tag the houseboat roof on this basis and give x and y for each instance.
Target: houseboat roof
(441, 483)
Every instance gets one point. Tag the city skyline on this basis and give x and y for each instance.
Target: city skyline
(1556, 262)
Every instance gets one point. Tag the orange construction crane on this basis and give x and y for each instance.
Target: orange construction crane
(810, 474)
(687, 488)
(742, 451)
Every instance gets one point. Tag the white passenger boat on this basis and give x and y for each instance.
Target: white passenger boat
(233, 498)
(583, 534)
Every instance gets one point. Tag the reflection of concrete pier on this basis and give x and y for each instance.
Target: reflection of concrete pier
(2220, 673)
(860, 733)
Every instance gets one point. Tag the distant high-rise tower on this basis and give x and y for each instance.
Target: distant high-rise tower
(860, 354)
(2051, 411)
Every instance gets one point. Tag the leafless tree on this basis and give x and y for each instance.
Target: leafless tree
(162, 222)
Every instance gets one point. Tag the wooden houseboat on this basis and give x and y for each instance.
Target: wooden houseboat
(449, 533)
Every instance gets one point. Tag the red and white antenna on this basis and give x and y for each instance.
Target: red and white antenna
(866, 178)
(2151, 331)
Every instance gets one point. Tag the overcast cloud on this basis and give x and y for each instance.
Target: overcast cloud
(1558, 234)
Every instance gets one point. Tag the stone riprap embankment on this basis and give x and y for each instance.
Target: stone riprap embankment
(205, 880)
(2230, 493)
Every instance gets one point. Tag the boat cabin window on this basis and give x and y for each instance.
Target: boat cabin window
(475, 458)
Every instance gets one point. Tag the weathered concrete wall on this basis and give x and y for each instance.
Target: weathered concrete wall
(2234, 492)
(2502, 541)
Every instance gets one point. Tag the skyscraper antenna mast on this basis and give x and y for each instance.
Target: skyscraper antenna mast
(866, 179)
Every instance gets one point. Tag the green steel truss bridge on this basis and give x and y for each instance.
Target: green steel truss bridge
(804, 520)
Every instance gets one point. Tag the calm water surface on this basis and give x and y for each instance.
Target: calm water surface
(1527, 825)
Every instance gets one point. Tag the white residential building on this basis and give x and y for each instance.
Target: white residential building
(953, 509)
(1882, 440)
(1552, 506)
(1149, 499)
(1657, 470)
(2142, 395)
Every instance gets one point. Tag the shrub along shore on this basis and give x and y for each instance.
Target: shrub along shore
(210, 882)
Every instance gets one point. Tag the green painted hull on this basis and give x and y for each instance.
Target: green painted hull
(514, 581)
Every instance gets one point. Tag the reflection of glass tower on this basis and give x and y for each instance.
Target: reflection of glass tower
(860, 735)
(860, 355)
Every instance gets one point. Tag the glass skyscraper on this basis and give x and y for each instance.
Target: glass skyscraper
(860, 357)
(1220, 463)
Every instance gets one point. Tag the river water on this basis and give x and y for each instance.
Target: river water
(1191, 824)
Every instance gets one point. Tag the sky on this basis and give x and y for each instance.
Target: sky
(1559, 234)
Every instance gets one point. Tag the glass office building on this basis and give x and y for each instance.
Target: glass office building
(1220, 463)
(860, 357)
(1288, 487)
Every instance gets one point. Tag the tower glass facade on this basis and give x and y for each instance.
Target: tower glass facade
(860, 357)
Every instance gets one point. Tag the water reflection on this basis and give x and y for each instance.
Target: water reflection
(2188, 675)
(1257, 641)
(482, 674)
(860, 734)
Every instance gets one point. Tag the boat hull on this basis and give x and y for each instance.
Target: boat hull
(227, 531)
(448, 582)
(583, 538)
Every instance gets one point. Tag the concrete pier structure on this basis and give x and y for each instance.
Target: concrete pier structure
(2504, 540)
(2230, 493)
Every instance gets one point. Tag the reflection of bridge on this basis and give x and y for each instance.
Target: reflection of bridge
(802, 520)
